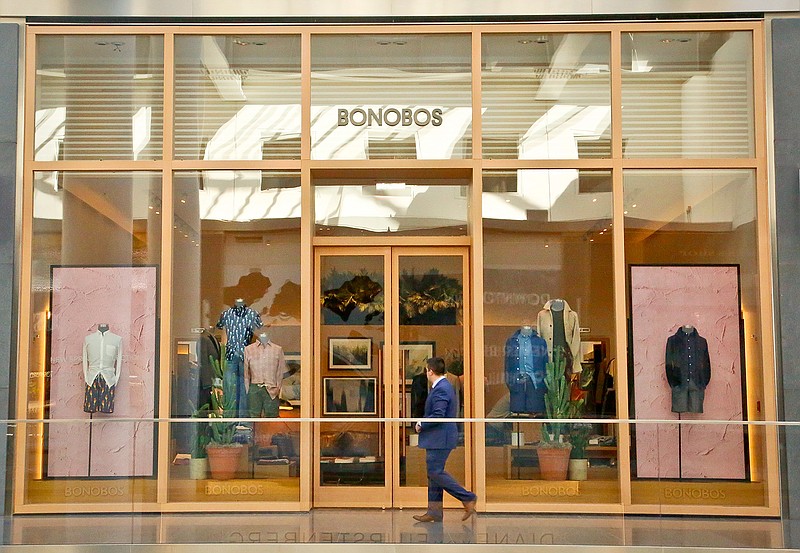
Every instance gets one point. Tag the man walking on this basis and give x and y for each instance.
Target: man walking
(438, 439)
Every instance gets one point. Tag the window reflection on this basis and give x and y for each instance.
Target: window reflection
(247, 91)
(546, 96)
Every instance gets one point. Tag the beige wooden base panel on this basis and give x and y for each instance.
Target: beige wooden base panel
(664, 492)
(594, 490)
(110, 492)
(233, 507)
(285, 489)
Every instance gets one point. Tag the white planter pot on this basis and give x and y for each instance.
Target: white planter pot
(198, 468)
(578, 469)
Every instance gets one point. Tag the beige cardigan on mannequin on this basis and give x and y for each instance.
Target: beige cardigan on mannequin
(571, 331)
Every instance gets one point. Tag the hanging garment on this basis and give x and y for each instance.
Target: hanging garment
(688, 369)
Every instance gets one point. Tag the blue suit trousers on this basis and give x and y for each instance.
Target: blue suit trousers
(440, 481)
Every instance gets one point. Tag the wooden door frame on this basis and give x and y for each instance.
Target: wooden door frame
(391, 494)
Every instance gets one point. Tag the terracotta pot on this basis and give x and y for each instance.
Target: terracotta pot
(578, 469)
(553, 462)
(223, 461)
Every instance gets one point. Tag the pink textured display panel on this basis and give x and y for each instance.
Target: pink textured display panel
(663, 299)
(125, 298)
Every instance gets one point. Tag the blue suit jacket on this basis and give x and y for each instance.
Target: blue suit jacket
(441, 403)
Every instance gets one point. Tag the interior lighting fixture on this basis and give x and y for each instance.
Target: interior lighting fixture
(391, 42)
(676, 39)
(390, 185)
(240, 42)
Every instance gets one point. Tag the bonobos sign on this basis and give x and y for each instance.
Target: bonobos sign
(405, 117)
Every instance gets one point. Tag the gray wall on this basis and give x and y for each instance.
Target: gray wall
(9, 66)
(786, 93)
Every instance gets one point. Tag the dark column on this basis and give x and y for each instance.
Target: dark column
(786, 92)
(9, 66)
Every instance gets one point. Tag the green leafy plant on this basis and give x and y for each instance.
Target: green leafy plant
(223, 404)
(558, 405)
(579, 438)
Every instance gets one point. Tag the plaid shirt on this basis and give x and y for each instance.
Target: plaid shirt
(265, 365)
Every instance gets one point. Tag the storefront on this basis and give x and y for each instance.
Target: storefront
(355, 199)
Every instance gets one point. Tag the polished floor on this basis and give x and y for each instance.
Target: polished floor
(332, 526)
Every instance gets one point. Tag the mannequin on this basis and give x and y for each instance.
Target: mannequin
(688, 368)
(264, 369)
(239, 323)
(102, 364)
(558, 325)
(525, 363)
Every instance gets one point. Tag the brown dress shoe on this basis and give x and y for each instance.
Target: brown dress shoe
(469, 509)
(426, 518)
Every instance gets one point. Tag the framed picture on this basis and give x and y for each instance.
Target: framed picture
(414, 357)
(350, 353)
(350, 396)
(290, 386)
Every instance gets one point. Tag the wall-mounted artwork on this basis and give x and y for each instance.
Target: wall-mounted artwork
(350, 396)
(350, 353)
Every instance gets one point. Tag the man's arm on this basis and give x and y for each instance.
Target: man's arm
(438, 411)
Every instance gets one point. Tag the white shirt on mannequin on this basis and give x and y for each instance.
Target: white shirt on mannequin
(102, 354)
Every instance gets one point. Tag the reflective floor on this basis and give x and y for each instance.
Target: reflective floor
(394, 527)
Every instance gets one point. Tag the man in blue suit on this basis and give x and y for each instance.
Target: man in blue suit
(438, 439)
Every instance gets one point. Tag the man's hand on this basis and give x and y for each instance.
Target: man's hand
(418, 427)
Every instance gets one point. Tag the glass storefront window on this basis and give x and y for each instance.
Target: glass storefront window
(237, 97)
(687, 94)
(548, 290)
(99, 97)
(391, 206)
(692, 251)
(236, 286)
(93, 348)
(391, 97)
(546, 96)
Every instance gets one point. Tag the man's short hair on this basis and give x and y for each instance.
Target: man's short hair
(436, 364)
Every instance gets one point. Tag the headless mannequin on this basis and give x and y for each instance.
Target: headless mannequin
(557, 305)
(263, 337)
(102, 328)
(239, 302)
(526, 330)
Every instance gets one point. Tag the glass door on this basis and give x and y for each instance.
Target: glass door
(382, 312)
(431, 300)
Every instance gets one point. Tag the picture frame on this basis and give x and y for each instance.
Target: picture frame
(350, 396)
(414, 357)
(350, 353)
(290, 385)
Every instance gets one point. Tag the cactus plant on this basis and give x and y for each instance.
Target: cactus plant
(557, 401)
(223, 403)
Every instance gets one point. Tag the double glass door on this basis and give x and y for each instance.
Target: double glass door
(382, 312)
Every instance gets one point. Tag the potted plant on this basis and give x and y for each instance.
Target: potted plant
(579, 432)
(579, 438)
(554, 447)
(223, 452)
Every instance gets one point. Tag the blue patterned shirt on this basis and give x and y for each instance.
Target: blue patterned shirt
(239, 324)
